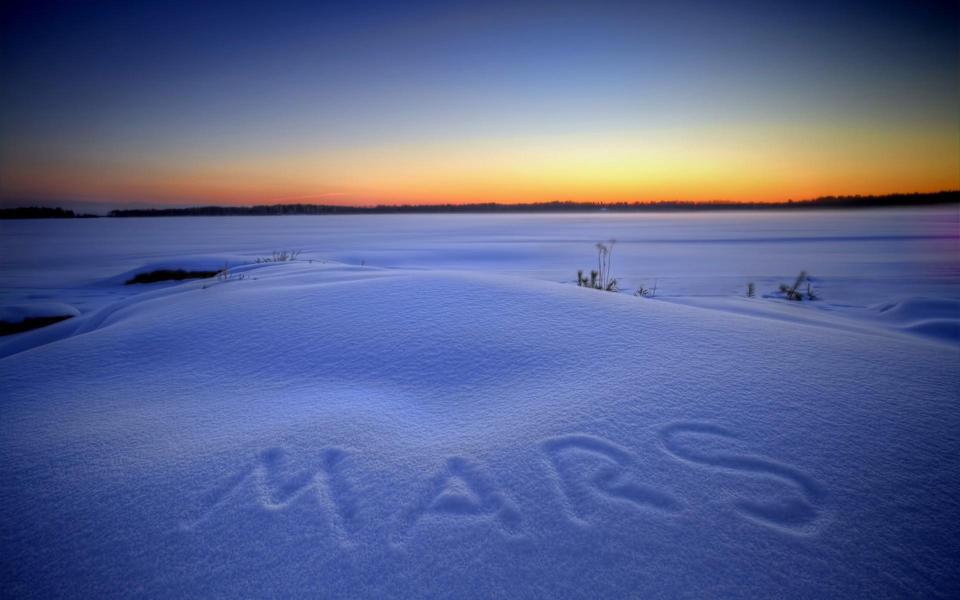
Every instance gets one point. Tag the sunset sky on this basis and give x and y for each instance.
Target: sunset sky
(366, 103)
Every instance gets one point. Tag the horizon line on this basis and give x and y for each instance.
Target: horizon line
(830, 201)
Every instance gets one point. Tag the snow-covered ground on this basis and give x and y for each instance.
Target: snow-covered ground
(428, 406)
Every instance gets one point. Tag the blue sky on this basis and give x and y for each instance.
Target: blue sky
(240, 102)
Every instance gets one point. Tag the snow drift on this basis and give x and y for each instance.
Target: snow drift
(322, 429)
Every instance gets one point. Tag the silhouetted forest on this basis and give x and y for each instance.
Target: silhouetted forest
(892, 200)
(826, 202)
(40, 212)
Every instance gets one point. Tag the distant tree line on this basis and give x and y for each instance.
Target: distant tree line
(825, 202)
(39, 212)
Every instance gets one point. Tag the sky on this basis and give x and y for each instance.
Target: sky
(358, 103)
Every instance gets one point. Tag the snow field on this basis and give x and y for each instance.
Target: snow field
(344, 431)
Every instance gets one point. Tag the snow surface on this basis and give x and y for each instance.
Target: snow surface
(456, 419)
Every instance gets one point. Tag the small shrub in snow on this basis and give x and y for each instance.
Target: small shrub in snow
(751, 290)
(794, 292)
(644, 292)
(601, 278)
(280, 256)
(226, 275)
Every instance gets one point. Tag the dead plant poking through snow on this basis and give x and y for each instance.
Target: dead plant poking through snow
(601, 278)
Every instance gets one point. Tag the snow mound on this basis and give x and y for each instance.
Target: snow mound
(937, 318)
(345, 432)
(184, 263)
(942, 329)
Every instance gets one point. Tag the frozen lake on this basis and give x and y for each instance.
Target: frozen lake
(855, 257)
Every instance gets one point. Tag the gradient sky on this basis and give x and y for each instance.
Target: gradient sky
(187, 103)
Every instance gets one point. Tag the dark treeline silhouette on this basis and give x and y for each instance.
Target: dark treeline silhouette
(826, 202)
(39, 212)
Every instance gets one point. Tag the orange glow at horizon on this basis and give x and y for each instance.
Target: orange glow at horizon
(737, 162)
(480, 102)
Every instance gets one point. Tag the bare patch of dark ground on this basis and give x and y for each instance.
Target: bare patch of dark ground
(9, 328)
(169, 275)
